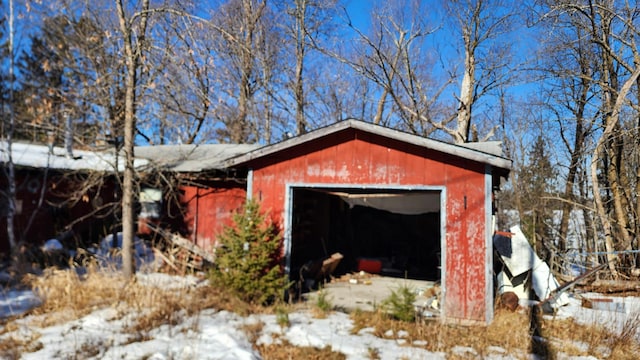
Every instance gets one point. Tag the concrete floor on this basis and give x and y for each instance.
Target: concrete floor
(366, 292)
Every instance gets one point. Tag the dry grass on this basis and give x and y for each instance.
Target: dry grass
(14, 346)
(511, 331)
(253, 331)
(286, 351)
(67, 296)
(597, 340)
(283, 350)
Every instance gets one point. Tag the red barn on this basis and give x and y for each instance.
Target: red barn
(425, 207)
(396, 203)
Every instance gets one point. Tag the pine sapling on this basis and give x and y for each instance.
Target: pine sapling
(248, 257)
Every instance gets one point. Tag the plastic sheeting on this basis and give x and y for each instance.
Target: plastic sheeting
(519, 258)
(405, 203)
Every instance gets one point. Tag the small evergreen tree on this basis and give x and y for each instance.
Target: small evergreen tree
(536, 185)
(248, 257)
(400, 304)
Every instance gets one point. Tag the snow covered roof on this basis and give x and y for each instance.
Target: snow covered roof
(181, 158)
(39, 156)
(192, 158)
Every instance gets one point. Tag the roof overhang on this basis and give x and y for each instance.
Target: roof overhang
(485, 153)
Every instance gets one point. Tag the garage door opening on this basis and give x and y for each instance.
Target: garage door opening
(390, 232)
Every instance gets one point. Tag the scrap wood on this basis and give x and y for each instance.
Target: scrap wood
(588, 303)
(184, 243)
(193, 248)
(329, 265)
(361, 276)
(614, 286)
(504, 233)
(165, 259)
(558, 291)
(606, 304)
(579, 278)
(316, 270)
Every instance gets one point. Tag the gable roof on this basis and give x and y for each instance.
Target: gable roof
(487, 153)
(191, 158)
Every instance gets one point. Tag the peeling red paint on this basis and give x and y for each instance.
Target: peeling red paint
(209, 210)
(365, 159)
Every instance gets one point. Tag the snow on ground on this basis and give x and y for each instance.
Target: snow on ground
(213, 334)
(15, 302)
(622, 311)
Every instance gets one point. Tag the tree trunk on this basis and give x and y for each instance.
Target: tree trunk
(301, 9)
(11, 177)
(617, 182)
(611, 123)
(636, 227)
(128, 186)
(390, 77)
(380, 107)
(568, 204)
(466, 94)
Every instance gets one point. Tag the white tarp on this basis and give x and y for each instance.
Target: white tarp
(505, 284)
(522, 258)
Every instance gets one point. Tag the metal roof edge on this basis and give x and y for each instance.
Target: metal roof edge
(287, 143)
(447, 148)
(460, 150)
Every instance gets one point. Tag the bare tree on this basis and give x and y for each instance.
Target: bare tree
(569, 78)
(108, 55)
(484, 26)
(10, 195)
(397, 59)
(610, 144)
(391, 58)
(238, 25)
(133, 28)
(305, 23)
(610, 27)
(183, 79)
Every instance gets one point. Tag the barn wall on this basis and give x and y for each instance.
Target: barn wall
(208, 210)
(353, 157)
(50, 219)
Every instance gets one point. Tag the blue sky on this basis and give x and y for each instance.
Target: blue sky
(358, 11)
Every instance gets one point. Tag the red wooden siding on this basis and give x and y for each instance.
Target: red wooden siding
(208, 210)
(358, 158)
(465, 245)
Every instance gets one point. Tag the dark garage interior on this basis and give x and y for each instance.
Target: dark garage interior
(390, 232)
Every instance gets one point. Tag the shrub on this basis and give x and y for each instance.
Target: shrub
(400, 304)
(248, 257)
(322, 304)
(282, 316)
